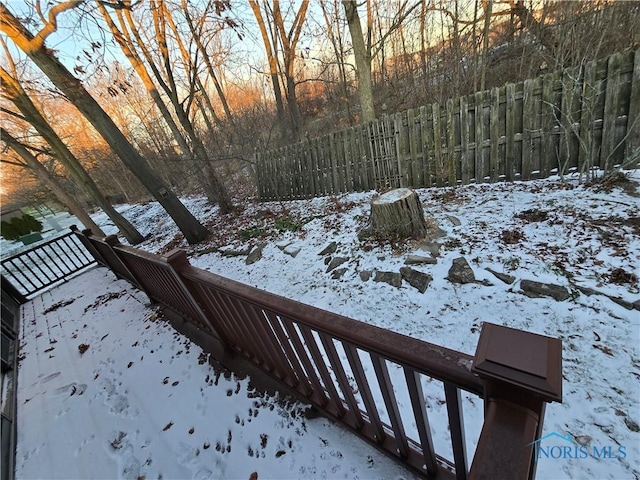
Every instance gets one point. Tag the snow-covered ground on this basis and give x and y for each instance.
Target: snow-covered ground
(585, 238)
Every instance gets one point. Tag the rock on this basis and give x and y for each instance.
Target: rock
(419, 260)
(508, 279)
(292, 250)
(431, 247)
(636, 305)
(327, 260)
(336, 274)
(336, 262)
(392, 278)
(329, 249)
(461, 272)
(454, 221)
(284, 244)
(365, 275)
(231, 252)
(255, 254)
(622, 302)
(416, 279)
(557, 292)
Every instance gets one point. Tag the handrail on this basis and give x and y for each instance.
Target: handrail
(438, 362)
(297, 345)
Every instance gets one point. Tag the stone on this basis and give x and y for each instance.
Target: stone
(636, 305)
(454, 221)
(365, 275)
(419, 260)
(418, 280)
(284, 244)
(336, 262)
(255, 254)
(431, 247)
(234, 252)
(508, 279)
(292, 250)
(461, 272)
(329, 249)
(557, 292)
(338, 273)
(392, 278)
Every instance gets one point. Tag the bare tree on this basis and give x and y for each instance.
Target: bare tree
(275, 37)
(14, 92)
(364, 48)
(34, 47)
(32, 164)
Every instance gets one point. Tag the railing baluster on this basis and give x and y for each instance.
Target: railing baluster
(386, 388)
(456, 428)
(365, 391)
(304, 386)
(345, 386)
(422, 420)
(40, 263)
(321, 366)
(300, 350)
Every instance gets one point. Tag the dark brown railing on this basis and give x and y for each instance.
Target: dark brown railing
(41, 266)
(323, 357)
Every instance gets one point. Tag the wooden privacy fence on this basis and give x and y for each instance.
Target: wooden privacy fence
(579, 119)
(352, 371)
(38, 268)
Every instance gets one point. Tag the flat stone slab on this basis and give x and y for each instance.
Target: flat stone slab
(336, 262)
(329, 249)
(557, 292)
(508, 279)
(432, 247)
(392, 278)
(454, 220)
(420, 260)
(292, 250)
(338, 273)
(418, 280)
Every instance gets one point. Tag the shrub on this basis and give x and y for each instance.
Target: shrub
(19, 226)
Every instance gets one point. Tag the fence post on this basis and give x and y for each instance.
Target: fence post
(522, 372)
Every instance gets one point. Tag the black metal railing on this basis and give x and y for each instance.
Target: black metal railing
(46, 264)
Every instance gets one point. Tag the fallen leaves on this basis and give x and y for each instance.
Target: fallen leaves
(83, 347)
(167, 426)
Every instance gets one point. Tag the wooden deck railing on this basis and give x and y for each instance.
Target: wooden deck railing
(41, 266)
(327, 358)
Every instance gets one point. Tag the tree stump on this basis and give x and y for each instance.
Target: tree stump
(397, 215)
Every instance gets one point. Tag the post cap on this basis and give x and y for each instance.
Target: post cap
(530, 361)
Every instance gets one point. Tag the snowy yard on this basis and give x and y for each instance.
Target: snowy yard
(584, 238)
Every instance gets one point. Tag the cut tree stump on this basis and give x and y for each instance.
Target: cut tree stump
(396, 215)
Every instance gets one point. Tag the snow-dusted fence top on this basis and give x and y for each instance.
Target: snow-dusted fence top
(353, 371)
(582, 118)
(46, 264)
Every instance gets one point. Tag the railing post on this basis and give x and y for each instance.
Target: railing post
(522, 372)
(177, 259)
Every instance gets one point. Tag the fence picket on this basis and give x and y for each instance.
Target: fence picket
(544, 125)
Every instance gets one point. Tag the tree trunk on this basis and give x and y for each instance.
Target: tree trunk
(193, 230)
(362, 56)
(14, 92)
(52, 184)
(397, 215)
